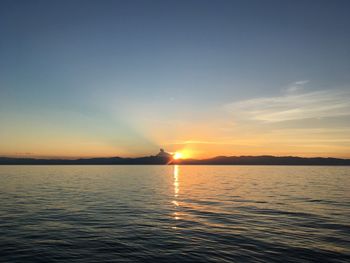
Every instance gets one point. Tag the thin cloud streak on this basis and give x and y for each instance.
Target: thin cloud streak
(241, 142)
(293, 106)
(200, 142)
(297, 86)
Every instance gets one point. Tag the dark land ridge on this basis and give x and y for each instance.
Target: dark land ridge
(163, 159)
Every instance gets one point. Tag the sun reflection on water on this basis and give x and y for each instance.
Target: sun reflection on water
(176, 181)
(176, 192)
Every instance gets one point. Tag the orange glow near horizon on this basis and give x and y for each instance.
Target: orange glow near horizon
(178, 155)
(183, 154)
(301, 143)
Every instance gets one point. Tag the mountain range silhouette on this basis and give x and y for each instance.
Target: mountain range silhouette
(164, 158)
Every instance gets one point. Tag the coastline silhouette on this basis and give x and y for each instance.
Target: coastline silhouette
(165, 158)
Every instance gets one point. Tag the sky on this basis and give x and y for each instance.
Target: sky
(125, 78)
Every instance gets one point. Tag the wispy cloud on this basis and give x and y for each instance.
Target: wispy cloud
(202, 142)
(297, 86)
(294, 104)
(240, 142)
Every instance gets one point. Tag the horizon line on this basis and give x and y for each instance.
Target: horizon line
(72, 158)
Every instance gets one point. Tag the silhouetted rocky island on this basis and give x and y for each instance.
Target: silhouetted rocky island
(164, 158)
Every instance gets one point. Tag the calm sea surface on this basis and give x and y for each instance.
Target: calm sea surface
(174, 214)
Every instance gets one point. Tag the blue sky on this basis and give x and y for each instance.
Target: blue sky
(86, 78)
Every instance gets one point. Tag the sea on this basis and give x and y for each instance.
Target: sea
(174, 213)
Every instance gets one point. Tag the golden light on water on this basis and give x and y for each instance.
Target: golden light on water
(176, 192)
(176, 181)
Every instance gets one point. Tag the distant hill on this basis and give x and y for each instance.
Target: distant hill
(162, 160)
(87, 161)
(268, 160)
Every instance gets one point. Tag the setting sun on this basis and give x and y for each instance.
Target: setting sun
(178, 155)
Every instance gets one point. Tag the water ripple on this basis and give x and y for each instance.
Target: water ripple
(174, 214)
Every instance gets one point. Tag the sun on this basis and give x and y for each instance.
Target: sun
(177, 155)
